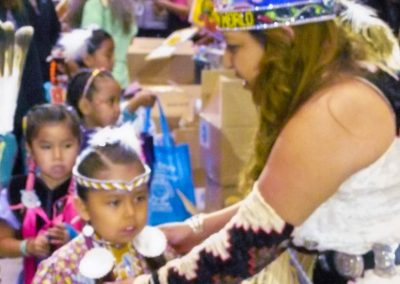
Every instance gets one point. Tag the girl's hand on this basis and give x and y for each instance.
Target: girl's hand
(179, 236)
(38, 246)
(144, 98)
(58, 234)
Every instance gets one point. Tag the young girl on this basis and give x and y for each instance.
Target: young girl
(43, 202)
(117, 18)
(95, 94)
(112, 199)
(86, 48)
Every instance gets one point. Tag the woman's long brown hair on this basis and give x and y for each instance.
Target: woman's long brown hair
(292, 69)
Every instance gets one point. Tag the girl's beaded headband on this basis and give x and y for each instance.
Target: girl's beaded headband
(112, 185)
(89, 82)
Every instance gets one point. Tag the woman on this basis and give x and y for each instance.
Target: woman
(324, 170)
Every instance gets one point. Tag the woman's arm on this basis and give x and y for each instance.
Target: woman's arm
(181, 236)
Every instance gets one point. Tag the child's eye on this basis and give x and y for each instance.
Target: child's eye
(232, 48)
(45, 146)
(141, 198)
(113, 101)
(68, 145)
(113, 203)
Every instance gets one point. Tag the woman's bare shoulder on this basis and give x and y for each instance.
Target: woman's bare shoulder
(339, 131)
(358, 108)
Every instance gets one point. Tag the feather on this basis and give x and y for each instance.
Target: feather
(74, 43)
(9, 47)
(2, 48)
(23, 38)
(13, 50)
(372, 35)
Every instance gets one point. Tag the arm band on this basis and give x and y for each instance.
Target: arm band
(252, 239)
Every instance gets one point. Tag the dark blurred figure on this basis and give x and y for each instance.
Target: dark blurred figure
(41, 15)
(43, 18)
(388, 10)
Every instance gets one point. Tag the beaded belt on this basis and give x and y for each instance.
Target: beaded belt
(382, 259)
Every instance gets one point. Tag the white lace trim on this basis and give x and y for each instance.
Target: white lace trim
(365, 210)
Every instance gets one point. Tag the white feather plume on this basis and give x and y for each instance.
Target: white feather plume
(10, 80)
(384, 50)
(124, 134)
(74, 43)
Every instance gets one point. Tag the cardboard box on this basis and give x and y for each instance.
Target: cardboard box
(178, 102)
(218, 196)
(209, 80)
(224, 150)
(231, 104)
(179, 68)
(227, 128)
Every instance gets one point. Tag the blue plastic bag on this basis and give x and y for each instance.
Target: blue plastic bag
(171, 178)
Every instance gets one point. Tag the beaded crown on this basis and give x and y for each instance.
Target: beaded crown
(112, 136)
(265, 14)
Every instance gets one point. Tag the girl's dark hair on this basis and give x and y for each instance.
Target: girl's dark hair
(43, 114)
(97, 38)
(93, 43)
(77, 85)
(98, 158)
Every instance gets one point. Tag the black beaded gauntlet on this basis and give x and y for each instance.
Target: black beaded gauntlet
(253, 238)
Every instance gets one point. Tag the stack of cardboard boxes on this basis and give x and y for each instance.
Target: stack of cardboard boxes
(220, 136)
(176, 69)
(227, 127)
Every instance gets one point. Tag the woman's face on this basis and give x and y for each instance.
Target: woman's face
(243, 53)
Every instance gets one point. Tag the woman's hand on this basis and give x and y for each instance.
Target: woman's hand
(38, 246)
(179, 236)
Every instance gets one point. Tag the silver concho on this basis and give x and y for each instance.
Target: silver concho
(29, 199)
(385, 260)
(348, 265)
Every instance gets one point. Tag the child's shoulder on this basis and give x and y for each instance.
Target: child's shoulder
(63, 261)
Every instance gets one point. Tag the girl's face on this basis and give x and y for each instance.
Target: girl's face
(102, 58)
(54, 149)
(243, 53)
(117, 217)
(103, 109)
